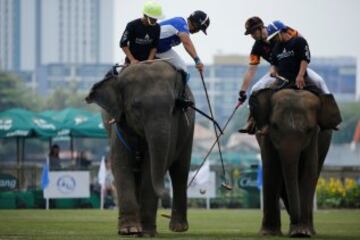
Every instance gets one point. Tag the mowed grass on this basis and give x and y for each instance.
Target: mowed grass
(204, 224)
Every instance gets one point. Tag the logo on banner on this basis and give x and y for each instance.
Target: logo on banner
(80, 119)
(66, 184)
(41, 123)
(5, 124)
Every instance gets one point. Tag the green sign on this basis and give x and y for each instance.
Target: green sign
(7, 182)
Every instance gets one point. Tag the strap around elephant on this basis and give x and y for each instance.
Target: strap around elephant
(121, 138)
(208, 117)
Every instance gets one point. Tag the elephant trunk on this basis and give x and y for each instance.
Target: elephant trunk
(290, 164)
(158, 138)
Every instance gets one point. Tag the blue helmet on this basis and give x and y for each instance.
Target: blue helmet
(274, 28)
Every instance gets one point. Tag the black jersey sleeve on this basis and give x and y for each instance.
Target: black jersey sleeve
(126, 36)
(302, 49)
(155, 43)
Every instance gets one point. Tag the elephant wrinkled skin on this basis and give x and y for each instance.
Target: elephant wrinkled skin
(293, 150)
(141, 100)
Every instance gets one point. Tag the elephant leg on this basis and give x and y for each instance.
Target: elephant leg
(324, 140)
(129, 219)
(284, 197)
(290, 166)
(148, 201)
(271, 222)
(179, 171)
(308, 179)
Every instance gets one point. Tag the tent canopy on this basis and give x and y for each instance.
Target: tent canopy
(78, 123)
(19, 122)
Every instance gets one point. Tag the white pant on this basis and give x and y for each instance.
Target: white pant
(263, 82)
(174, 59)
(317, 80)
(267, 80)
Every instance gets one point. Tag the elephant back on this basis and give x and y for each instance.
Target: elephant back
(157, 71)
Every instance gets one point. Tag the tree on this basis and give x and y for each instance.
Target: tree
(69, 97)
(13, 93)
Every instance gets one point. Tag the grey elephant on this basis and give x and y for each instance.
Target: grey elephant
(294, 141)
(151, 136)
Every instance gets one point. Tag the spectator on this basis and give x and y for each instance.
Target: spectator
(82, 161)
(54, 159)
(110, 195)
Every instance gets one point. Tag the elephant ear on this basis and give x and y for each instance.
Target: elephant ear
(329, 113)
(105, 95)
(260, 106)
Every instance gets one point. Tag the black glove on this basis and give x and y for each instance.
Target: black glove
(242, 96)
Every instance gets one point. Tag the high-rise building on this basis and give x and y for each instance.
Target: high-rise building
(41, 32)
(10, 34)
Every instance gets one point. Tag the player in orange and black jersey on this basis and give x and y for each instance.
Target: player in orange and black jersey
(263, 48)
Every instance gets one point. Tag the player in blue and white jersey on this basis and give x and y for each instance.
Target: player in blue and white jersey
(177, 30)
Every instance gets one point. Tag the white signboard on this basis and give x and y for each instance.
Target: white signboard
(202, 189)
(68, 184)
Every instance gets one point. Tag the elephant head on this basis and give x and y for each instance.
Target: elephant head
(141, 99)
(293, 119)
(262, 104)
(104, 94)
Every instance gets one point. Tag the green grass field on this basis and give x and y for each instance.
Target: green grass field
(212, 224)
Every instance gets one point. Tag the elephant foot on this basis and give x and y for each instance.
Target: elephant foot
(312, 230)
(149, 230)
(178, 226)
(299, 231)
(134, 230)
(126, 227)
(149, 233)
(266, 231)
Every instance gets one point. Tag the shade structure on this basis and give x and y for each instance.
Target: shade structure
(93, 127)
(69, 117)
(78, 123)
(18, 122)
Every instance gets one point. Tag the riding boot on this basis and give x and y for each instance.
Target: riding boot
(250, 126)
(182, 101)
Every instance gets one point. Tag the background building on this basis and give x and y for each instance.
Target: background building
(225, 76)
(36, 33)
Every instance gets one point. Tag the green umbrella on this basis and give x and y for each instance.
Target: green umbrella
(69, 117)
(92, 128)
(19, 122)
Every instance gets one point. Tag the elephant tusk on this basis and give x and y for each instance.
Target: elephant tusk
(111, 121)
(166, 215)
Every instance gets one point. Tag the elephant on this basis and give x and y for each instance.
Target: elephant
(150, 136)
(294, 138)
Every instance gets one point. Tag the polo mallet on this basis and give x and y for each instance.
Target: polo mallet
(224, 184)
(212, 147)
